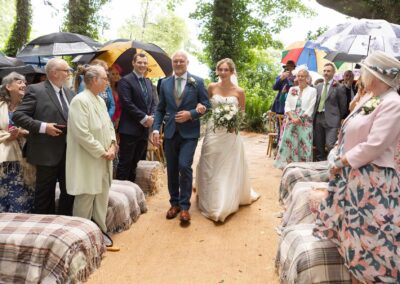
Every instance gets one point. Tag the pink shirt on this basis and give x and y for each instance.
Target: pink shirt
(373, 138)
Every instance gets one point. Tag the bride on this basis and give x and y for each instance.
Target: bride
(222, 176)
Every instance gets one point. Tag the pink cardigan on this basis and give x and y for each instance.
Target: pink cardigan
(373, 138)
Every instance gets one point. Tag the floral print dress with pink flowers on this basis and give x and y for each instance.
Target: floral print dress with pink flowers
(296, 142)
(361, 216)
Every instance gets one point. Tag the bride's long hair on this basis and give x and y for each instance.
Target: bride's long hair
(232, 68)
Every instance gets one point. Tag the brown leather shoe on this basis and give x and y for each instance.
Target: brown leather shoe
(185, 216)
(173, 212)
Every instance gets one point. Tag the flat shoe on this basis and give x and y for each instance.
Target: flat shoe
(113, 248)
(173, 212)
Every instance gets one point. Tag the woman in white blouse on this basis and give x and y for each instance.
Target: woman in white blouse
(296, 142)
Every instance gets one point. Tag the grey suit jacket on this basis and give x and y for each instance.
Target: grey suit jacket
(40, 104)
(335, 104)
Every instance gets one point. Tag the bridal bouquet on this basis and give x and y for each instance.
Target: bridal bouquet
(226, 116)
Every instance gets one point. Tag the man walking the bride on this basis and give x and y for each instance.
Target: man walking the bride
(179, 96)
(222, 176)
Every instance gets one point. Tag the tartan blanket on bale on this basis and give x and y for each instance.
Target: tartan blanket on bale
(303, 258)
(125, 204)
(298, 210)
(48, 248)
(295, 172)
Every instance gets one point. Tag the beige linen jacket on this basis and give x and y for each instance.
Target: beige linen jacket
(90, 134)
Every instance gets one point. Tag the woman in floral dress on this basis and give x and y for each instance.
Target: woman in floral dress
(16, 178)
(296, 142)
(361, 213)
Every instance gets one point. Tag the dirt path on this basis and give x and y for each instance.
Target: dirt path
(242, 250)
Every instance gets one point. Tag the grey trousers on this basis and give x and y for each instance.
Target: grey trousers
(93, 206)
(323, 136)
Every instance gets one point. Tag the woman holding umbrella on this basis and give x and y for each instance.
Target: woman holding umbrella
(361, 214)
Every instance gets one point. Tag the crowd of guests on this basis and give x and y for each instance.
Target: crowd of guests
(357, 124)
(38, 121)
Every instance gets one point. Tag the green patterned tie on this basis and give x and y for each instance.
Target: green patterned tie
(179, 86)
(321, 105)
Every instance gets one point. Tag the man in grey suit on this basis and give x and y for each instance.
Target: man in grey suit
(330, 109)
(44, 113)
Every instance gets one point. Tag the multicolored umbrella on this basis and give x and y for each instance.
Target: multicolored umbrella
(306, 53)
(121, 52)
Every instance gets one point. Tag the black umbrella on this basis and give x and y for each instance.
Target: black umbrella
(26, 70)
(6, 61)
(57, 44)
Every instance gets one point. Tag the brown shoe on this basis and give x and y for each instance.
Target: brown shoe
(185, 216)
(173, 212)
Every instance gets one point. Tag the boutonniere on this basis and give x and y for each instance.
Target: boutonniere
(294, 92)
(192, 82)
(334, 83)
(369, 106)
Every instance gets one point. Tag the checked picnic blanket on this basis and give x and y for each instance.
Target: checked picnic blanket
(302, 171)
(48, 248)
(303, 258)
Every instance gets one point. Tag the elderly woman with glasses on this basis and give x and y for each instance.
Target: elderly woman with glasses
(90, 150)
(361, 213)
(16, 186)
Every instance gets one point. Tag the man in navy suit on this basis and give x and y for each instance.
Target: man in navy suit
(179, 96)
(137, 116)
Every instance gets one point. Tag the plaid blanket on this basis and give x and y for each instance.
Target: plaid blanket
(48, 248)
(125, 204)
(298, 205)
(303, 258)
(295, 172)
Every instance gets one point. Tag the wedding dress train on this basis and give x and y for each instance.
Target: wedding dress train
(222, 176)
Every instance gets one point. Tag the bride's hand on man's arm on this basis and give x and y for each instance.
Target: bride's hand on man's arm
(200, 108)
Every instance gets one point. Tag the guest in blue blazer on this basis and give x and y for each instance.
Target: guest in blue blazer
(137, 116)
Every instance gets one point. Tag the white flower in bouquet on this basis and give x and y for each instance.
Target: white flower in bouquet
(227, 116)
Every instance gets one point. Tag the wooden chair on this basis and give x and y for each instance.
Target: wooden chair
(274, 123)
(156, 153)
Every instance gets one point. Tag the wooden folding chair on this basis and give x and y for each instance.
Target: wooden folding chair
(274, 123)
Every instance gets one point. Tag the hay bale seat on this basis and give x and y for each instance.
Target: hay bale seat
(126, 203)
(48, 248)
(150, 176)
(303, 258)
(302, 171)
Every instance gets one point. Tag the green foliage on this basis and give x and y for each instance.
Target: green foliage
(231, 28)
(243, 30)
(83, 17)
(7, 12)
(168, 31)
(21, 28)
(314, 35)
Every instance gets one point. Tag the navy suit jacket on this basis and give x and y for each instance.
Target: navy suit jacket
(193, 94)
(134, 106)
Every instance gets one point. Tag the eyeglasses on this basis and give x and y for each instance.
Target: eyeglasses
(65, 70)
(104, 78)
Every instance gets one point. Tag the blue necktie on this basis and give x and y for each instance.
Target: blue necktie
(142, 82)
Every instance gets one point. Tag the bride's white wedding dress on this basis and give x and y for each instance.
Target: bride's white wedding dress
(222, 176)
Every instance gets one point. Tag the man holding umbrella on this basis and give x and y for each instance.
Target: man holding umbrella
(44, 113)
(138, 107)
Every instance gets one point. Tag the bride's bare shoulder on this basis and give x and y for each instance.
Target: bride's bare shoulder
(211, 88)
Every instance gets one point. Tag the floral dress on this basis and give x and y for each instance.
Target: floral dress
(15, 194)
(296, 142)
(361, 216)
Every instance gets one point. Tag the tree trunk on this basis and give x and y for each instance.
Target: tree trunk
(21, 28)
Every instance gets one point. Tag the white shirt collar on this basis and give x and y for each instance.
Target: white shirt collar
(56, 89)
(183, 76)
(137, 74)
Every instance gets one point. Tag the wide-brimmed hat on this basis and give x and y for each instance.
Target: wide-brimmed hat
(383, 66)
